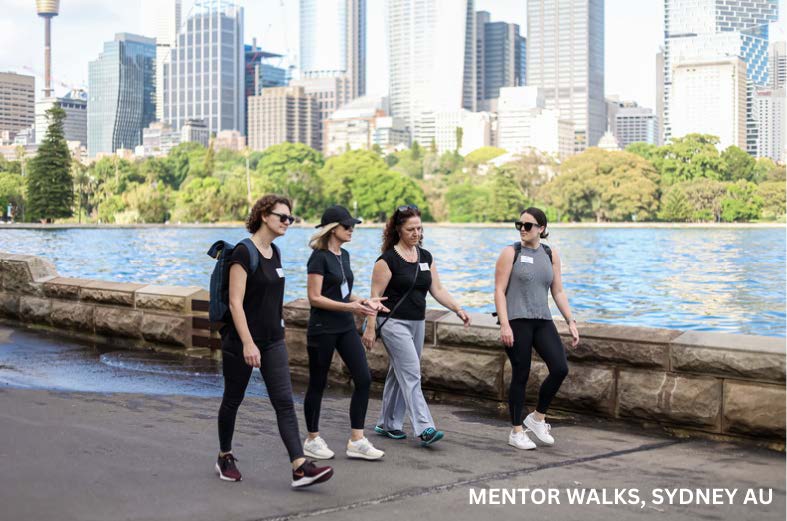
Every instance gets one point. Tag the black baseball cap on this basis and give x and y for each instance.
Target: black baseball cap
(338, 214)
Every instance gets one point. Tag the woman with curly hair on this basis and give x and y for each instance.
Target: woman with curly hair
(255, 338)
(403, 274)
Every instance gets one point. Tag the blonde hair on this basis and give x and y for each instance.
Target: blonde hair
(319, 241)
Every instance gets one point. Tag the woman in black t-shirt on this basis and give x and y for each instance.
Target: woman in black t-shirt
(331, 326)
(404, 273)
(255, 338)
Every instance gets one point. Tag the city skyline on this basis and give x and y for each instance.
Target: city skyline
(633, 35)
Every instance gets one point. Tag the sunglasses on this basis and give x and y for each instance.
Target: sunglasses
(289, 219)
(348, 227)
(527, 226)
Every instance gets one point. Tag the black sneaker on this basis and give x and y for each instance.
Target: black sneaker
(310, 474)
(429, 436)
(226, 468)
(395, 434)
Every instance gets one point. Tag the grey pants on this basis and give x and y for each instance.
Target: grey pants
(404, 341)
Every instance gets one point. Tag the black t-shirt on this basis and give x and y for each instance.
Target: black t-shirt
(329, 265)
(402, 274)
(263, 300)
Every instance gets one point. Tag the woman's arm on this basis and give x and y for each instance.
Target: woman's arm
(560, 298)
(381, 276)
(442, 296)
(237, 290)
(503, 270)
(317, 300)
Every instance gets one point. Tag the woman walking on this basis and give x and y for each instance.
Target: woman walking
(332, 327)
(403, 274)
(255, 338)
(525, 273)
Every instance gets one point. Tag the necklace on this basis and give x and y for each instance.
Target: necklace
(411, 256)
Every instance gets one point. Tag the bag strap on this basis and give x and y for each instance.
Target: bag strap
(406, 294)
(254, 254)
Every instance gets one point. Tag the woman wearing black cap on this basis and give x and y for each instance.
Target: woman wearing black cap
(331, 326)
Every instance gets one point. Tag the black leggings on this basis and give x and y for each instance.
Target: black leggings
(350, 348)
(275, 369)
(541, 334)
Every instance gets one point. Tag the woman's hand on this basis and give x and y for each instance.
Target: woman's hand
(506, 335)
(369, 336)
(251, 354)
(360, 308)
(375, 304)
(572, 326)
(463, 316)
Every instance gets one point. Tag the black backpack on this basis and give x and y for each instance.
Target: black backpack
(219, 308)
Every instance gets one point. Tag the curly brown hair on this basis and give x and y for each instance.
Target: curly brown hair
(391, 232)
(263, 207)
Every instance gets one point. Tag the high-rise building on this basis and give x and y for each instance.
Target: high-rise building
(524, 123)
(565, 58)
(770, 110)
(333, 41)
(121, 94)
(284, 114)
(74, 104)
(707, 29)
(259, 72)
(160, 138)
(709, 97)
(660, 95)
(429, 64)
(501, 57)
(204, 76)
(462, 130)
(161, 20)
(777, 66)
(17, 102)
(635, 124)
(361, 124)
(331, 92)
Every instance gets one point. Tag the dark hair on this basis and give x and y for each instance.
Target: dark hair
(391, 232)
(263, 207)
(540, 218)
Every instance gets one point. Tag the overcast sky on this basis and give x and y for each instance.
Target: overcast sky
(634, 32)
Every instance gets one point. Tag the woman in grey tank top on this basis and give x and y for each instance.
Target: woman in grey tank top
(524, 275)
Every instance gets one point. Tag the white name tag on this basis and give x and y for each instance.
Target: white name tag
(424, 266)
(526, 259)
(280, 271)
(345, 289)
(282, 322)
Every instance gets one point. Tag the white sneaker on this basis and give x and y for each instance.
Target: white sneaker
(540, 429)
(363, 449)
(317, 448)
(520, 440)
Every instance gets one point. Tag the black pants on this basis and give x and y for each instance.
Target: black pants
(541, 334)
(350, 348)
(275, 369)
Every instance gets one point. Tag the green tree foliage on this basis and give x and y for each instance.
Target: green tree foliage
(604, 186)
(691, 157)
(339, 172)
(705, 197)
(50, 190)
(199, 200)
(12, 190)
(466, 202)
(483, 155)
(378, 193)
(772, 194)
(737, 164)
(291, 169)
(741, 203)
(674, 206)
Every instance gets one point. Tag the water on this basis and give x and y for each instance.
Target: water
(707, 279)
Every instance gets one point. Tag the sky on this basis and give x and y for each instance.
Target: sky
(634, 32)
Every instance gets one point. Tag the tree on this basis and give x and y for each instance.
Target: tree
(291, 169)
(690, 157)
(11, 193)
(737, 164)
(199, 200)
(772, 194)
(378, 193)
(505, 199)
(465, 202)
(339, 172)
(50, 189)
(415, 151)
(483, 155)
(742, 203)
(604, 186)
(705, 198)
(674, 206)
(460, 132)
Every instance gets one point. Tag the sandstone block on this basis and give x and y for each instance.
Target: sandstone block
(463, 372)
(35, 309)
(118, 321)
(111, 293)
(72, 315)
(666, 397)
(166, 298)
(754, 409)
(166, 329)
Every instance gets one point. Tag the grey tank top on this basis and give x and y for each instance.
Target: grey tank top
(528, 287)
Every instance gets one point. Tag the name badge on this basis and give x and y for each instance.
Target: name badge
(282, 322)
(525, 258)
(345, 289)
(280, 272)
(424, 266)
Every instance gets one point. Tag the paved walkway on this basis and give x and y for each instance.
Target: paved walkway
(85, 456)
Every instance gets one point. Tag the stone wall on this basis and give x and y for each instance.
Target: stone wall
(31, 291)
(711, 383)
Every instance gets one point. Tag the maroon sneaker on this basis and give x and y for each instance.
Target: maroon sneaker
(310, 474)
(226, 468)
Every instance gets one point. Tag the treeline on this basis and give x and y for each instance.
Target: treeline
(687, 180)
